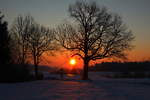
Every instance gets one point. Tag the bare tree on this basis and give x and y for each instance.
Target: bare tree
(19, 32)
(31, 40)
(40, 39)
(97, 34)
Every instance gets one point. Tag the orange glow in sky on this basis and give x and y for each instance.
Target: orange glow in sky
(66, 61)
(72, 61)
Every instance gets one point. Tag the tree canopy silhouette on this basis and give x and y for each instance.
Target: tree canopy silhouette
(97, 34)
(19, 32)
(32, 39)
(40, 39)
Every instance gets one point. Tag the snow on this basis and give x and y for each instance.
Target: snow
(71, 88)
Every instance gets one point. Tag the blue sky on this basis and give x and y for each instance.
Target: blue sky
(135, 13)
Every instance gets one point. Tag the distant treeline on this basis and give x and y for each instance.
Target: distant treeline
(122, 67)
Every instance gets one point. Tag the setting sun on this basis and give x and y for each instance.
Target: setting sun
(72, 62)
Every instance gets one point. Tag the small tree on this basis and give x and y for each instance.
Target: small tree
(98, 34)
(40, 39)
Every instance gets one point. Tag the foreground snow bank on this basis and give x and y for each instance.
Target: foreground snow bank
(67, 89)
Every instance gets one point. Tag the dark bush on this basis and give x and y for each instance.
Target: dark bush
(131, 75)
(14, 73)
(40, 76)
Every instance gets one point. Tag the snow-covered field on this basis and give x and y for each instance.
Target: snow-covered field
(73, 89)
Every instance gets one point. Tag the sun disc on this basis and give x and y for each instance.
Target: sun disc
(72, 61)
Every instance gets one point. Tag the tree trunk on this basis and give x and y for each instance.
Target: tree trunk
(85, 70)
(36, 71)
(23, 56)
(35, 67)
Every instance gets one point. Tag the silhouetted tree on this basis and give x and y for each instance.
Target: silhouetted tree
(20, 29)
(5, 54)
(97, 34)
(40, 40)
(31, 40)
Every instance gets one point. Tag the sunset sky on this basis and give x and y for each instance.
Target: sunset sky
(135, 13)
